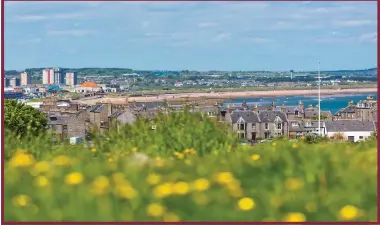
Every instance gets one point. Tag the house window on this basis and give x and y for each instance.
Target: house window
(266, 126)
(296, 112)
(361, 137)
(253, 126)
(241, 126)
(266, 135)
(279, 126)
(294, 124)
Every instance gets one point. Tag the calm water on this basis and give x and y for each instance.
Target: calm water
(331, 102)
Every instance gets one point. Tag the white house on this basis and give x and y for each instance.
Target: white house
(352, 130)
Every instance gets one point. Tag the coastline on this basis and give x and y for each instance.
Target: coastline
(229, 95)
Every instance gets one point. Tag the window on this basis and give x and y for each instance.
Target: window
(294, 124)
(266, 126)
(266, 135)
(253, 126)
(361, 137)
(279, 126)
(241, 126)
(296, 112)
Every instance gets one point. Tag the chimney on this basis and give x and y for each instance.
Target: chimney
(310, 106)
(300, 104)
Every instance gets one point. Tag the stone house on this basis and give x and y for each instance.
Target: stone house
(363, 111)
(67, 125)
(253, 125)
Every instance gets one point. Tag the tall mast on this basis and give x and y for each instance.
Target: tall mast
(319, 100)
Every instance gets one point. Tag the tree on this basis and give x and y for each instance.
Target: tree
(22, 120)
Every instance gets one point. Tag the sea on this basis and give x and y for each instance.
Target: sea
(332, 103)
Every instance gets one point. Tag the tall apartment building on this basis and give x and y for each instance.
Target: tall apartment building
(52, 76)
(48, 76)
(14, 82)
(71, 79)
(25, 79)
(6, 82)
(58, 76)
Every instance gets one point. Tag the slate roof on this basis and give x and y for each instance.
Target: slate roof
(248, 116)
(348, 109)
(270, 116)
(303, 126)
(97, 108)
(54, 119)
(117, 114)
(314, 112)
(349, 125)
(292, 109)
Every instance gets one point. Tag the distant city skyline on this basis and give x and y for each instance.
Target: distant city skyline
(225, 36)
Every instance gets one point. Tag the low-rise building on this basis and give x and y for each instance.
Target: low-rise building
(351, 130)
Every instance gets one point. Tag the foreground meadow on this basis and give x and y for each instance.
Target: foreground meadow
(188, 170)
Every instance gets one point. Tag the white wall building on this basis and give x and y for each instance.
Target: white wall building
(352, 130)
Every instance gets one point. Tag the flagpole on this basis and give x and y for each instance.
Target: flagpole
(319, 100)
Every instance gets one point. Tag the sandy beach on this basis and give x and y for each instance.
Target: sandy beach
(228, 95)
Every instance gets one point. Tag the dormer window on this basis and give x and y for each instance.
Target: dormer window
(266, 126)
(279, 126)
(296, 112)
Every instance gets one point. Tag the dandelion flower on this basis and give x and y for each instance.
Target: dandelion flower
(41, 181)
(21, 200)
(171, 217)
(255, 157)
(224, 177)
(181, 188)
(201, 184)
(126, 191)
(163, 190)
(61, 160)
(40, 167)
(93, 150)
(100, 185)
(22, 159)
(74, 178)
(349, 212)
(153, 179)
(134, 149)
(246, 204)
(155, 210)
(295, 217)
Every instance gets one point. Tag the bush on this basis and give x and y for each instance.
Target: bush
(22, 120)
(189, 171)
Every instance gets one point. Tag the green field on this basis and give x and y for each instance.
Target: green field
(188, 170)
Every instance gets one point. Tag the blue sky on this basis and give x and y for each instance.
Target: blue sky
(191, 35)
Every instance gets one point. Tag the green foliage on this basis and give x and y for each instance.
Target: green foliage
(22, 120)
(121, 176)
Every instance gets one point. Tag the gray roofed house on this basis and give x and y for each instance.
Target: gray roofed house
(270, 116)
(247, 116)
(350, 126)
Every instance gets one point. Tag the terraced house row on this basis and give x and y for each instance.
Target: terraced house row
(69, 119)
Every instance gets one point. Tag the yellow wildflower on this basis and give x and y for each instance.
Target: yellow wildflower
(234, 189)
(21, 159)
(134, 149)
(163, 190)
(201, 184)
(126, 191)
(295, 217)
(93, 150)
(255, 157)
(74, 178)
(189, 151)
(224, 177)
(100, 185)
(246, 204)
(153, 179)
(41, 181)
(349, 212)
(40, 167)
(159, 163)
(274, 144)
(171, 217)
(181, 188)
(293, 184)
(21, 200)
(294, 145)
(155, 210)
(61, 160)
(118, 178)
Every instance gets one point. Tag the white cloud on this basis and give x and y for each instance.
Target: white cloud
(352, 23)
(35, 18)
(368, 37)
(222, 37)
(75, 33)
